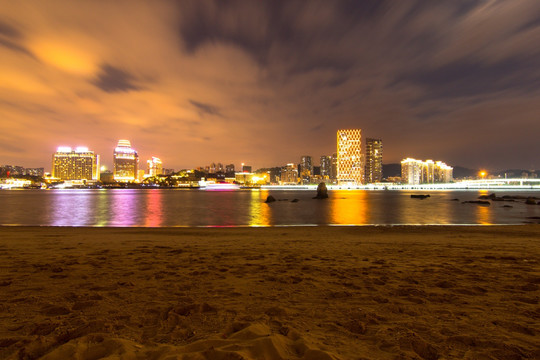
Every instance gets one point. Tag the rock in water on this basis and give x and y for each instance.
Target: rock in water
(530, 201)
(270, 199)
(322, 191)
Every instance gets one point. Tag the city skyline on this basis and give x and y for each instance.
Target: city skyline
(264, 82)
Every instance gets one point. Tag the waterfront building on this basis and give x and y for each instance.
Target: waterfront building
(305, 168)
(333, 167)
(289, 174)
(75, 164)
(246, 168)
(155, 166)
(35, 171)
(415, 172)
(126, 162)
(229, 169)
(374, 153)
(350, 165)
(326, 166)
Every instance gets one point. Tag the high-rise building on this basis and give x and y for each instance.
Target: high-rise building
(415, 172)
(374, 152)
(246, 168)
(333, 167)
(350, 166)
(126, 162)
(326, 166)
(305, 168)
(155, 166)
(78, 164)
(229, 169)
(289, 175)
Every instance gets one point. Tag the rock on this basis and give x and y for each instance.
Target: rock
(270, 199)
(479, 202)
(421, 197)
(454, 200)
(507, 206)
(488, 197)
(295, 200)
(530, 201)
(322, 191)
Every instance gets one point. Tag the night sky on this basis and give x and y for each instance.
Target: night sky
(264, 82)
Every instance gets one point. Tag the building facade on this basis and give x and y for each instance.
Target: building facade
(374, 154)
(289, 175)
(326, 166)
(75, 164)
(415, 172)
(350, 165)
(126, 162)
(155, 166)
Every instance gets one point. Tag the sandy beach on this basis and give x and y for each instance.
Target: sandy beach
(270, 293)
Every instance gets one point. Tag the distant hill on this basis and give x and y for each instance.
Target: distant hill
(461, 172)
(391, 170)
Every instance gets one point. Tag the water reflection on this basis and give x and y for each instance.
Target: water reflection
(123, 207)
(348, 208)
(260, 213)
(483, 215)
(73, 211)
(154, 208)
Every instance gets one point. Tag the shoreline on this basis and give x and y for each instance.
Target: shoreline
(321, 292)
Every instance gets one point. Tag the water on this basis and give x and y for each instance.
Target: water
(165, 207)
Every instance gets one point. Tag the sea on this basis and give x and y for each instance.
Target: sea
(242, 208)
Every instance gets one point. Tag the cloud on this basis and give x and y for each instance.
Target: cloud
(111, 79)
(425, 76)
(206, 108)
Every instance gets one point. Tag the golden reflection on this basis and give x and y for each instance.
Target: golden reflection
(349, 208)
(154, 214)
(483, 215)
(259, 211)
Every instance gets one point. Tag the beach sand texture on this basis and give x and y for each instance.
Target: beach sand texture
(270, 293)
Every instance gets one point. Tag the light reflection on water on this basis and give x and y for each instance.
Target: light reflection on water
(156, 208)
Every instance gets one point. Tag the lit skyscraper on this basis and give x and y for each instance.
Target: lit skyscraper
(126, 162)
(306, 168)
(350, 167)
(78, 164)
(155, 166)
(374, 152)
(326, 166)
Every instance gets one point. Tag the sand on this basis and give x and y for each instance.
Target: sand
(270, 293)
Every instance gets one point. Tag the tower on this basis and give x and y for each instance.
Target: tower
(126, 162)
(350, 167)
(374, 152)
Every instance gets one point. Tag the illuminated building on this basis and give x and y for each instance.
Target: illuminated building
(78, 164)
(246, 168)
(289, 175)
(126, 162)
(374, 152)
(326, 166)
(229, 169)
(415, 172)
(333, 168)
(155, 166)
(411, 171)
(350, 167)
(305, 168)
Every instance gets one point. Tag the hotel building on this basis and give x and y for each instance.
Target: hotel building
(415, 172)
(350, 167)
(126, 162)
(155, 166)
(374, 152)
(78, 164)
